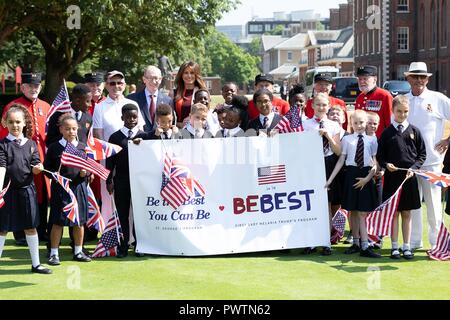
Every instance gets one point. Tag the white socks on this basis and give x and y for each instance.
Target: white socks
(406, 246)
(54, 252)
(77, 249)
(394, 245)
(2, 244)
(33, 246)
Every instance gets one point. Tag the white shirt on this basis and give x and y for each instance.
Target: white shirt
(108, 114)
(269, 116)
(125, 130)
(405, 124)
(168, 132)
(349, 144)
(200, 132)
(64, 142)
(332, 127)
(428, 113)
(22, 138)
(232, 132)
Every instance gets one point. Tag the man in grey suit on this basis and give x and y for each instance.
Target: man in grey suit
(149, 98)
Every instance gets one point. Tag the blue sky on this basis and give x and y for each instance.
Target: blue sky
(265, 8)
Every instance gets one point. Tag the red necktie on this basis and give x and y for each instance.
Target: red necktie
(152, 108)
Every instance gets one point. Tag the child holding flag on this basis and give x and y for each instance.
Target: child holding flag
(68, 127)
(19, 160)
(359, 195)
(401, 146)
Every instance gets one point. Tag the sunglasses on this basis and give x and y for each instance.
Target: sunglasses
(418, 76)
(113, 83)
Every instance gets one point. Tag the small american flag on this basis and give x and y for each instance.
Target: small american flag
(439, 179)
(291, 122)
(95, 218)
(272, 174)
(178, 184)
(442, 250)
(98, 149)
(72, 157)
(61, 103)
(379, 221)
(71, 209)
(110, 239)
(338, 225)
(2, 194)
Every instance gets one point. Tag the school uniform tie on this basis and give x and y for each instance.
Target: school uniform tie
(400, 128)
(152, 108)
(325, 142)
(130, 134)
(359, 155)
(18, 141)
(165, 135)
(266, 123)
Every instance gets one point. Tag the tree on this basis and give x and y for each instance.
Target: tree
(136, 26)
(277, 31)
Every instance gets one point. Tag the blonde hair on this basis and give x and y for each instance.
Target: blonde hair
(321, 95)
(400, 100)
(373, 114)
(198, 107)
(360, 113)
(332, 108)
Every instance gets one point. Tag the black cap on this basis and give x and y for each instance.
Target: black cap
(94, 77)
(33, 78)
(263, 77)
(323, 77)
(367, 71)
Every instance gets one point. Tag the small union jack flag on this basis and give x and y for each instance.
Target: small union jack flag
(439, 179)
(71, 209)
(61, 103)
(98, 149)
(95, 218)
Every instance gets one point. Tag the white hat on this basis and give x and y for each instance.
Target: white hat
(418, 68)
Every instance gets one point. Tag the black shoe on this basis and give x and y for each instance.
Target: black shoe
(139, 254)
(352, 249)
(408, 254)
(21, 242)
(326, 251)
(395, 254)
(368, 253)
(54, 260)
(41, 269)
(309, 250)
(81, 257)
(122, 254)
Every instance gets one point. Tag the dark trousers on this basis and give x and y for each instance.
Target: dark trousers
(122, 198)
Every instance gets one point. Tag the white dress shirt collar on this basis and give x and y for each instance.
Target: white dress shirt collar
(22, 138)
(64, 142)
(125, 130)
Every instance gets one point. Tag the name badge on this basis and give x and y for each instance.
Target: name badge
(373, 105)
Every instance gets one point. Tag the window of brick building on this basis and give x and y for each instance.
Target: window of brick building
(402, 39)
(289, 56)
(401, 69)
(402, 6)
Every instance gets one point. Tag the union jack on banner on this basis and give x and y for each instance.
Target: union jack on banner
(338, 225)
(439, 179)
(379, 221)
(178, 184)
(72, 157)
(110, 239)
(61, 103)
(71, 209)
(291, 122)
(2, 194)
(95, 218)
(442, 250)
(98, 149)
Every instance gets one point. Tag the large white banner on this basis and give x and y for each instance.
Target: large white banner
(260, 194)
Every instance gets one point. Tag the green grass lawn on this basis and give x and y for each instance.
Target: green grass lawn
(272, 275)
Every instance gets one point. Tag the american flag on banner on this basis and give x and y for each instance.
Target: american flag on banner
(291, 122)
(71, 209)
(178, 184)
(95, 218)
(72, 157)
(2, 194)
(379, 221)
(98, 149)
(439, 179)
(338, 225)
(110, 239)
(272, 174)
(442, 250)
(61, 103)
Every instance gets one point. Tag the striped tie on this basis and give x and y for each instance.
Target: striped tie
(266, 123)
(400, 128)
(325, 142)
(359, 155)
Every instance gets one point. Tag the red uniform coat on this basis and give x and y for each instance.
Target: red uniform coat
(281, 105)
(379, 101)
(38, 112)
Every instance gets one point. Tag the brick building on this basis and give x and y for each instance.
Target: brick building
(390, 34)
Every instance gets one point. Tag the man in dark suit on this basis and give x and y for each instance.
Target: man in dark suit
(151, 97)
